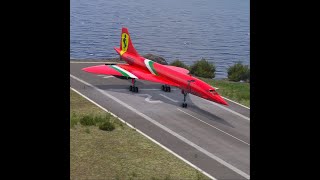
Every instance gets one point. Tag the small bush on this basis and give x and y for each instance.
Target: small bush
(247, 75)
(239, 72)
(101, 119)
(91, 120)
(203, 68)
(74, 119)
(117, 122)
(107, 126)
(87, 120)
(179, 63)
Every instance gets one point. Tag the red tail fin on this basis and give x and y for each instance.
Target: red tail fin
(126, 43)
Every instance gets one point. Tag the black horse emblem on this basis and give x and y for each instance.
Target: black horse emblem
(125, 41)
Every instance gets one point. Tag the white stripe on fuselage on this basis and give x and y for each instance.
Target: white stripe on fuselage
(146, 62)
(127, 72)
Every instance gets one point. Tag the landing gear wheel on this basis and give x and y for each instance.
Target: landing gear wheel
(166, 88)
(184, 105)
(133, 88)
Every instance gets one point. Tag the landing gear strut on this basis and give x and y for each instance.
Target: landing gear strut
(166, 88)
(184, 104)
(133, 88)
(185, 93)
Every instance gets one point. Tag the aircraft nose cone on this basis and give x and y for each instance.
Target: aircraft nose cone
(87, 69)
(224, 102)
(221, 100)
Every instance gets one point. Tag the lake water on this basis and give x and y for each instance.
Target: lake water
(188, 30)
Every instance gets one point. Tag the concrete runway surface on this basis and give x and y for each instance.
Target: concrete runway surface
(212, 137)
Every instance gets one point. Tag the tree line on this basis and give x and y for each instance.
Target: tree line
(202, 68)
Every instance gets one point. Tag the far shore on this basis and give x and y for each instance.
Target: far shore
(97, 60)
(118, 61)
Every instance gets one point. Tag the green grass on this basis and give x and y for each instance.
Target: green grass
(236, 91)
(119, 154)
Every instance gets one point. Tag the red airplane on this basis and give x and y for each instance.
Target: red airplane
(138, 67)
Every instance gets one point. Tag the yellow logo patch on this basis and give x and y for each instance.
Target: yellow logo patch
(124, 42)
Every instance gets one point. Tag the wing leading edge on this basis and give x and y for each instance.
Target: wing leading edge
(128, 71)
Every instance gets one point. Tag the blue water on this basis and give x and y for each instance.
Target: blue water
(217, 30)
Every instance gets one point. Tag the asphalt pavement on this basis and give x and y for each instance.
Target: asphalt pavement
(213, 137)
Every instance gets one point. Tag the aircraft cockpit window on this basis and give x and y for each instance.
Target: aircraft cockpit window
(213, 91)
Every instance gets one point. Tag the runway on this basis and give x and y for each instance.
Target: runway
(212, 137)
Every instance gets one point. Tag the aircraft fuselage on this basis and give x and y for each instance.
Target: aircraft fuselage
(187, 83)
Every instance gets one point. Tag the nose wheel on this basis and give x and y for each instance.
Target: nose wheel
(132, 87)
(184, 104)
(166, 88)
(185, 93)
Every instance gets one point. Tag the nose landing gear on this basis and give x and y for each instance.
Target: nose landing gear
(184, 104)
(186, 92)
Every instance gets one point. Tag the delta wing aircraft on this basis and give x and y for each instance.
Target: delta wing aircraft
(140, 68)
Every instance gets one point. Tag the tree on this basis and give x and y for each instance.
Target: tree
(239, 72)
(203, 68)
(179, 63)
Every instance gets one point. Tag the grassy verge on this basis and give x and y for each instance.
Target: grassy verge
(121, 153)
(236, 91)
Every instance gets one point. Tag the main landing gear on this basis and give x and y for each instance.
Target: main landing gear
(133, 88)
(184, 104)
(166, 88)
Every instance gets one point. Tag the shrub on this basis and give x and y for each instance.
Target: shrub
(239, 72)
(179, 63)
(87, 120)
(203, 68)
(74, 119)
(117, 122)
(91, 120)
(99, 119)
(246, 76)
(107, 126)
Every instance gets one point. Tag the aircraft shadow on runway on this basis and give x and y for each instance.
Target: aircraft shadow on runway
(191, 106)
